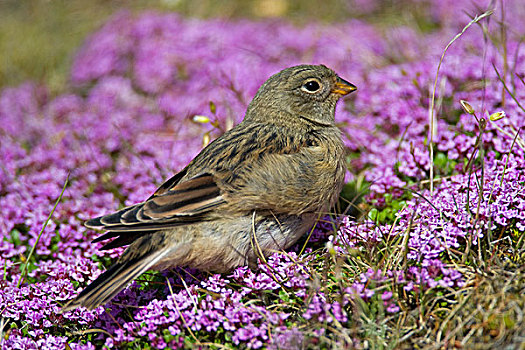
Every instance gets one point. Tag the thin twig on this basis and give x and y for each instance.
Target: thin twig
(432, 101)
(507, 88)
(24, 267)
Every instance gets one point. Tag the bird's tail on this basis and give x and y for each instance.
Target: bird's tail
(113, 280)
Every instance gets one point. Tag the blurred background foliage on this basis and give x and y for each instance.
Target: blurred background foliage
(38, 38)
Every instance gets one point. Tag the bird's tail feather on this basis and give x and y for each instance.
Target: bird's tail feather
(113, 280)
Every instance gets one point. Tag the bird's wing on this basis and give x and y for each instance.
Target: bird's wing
(190, 196)
(192, 193)
(175, 203)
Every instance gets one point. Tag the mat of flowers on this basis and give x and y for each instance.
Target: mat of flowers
(127, 123)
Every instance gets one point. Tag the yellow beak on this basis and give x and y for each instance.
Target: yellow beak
(342, 87)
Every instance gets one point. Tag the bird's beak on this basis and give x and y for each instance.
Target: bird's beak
(342, 87)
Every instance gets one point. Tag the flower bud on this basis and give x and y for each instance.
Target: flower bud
(466, 107)
(213, 108)
(201, 119)
(206, 139)
(497, 116)
(330, 248)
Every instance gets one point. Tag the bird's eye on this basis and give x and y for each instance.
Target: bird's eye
(311, 86)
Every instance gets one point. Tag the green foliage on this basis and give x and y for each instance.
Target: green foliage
(387, 214)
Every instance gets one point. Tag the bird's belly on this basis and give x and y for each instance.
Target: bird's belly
(221, 247)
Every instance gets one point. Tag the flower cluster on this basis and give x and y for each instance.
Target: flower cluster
(128, 123)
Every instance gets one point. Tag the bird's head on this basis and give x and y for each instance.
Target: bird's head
(306, 92)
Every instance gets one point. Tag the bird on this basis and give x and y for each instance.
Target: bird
(254, 190)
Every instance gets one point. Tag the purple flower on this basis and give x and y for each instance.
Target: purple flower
(127, 124)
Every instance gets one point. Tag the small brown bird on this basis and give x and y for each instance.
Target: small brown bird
(254, 190)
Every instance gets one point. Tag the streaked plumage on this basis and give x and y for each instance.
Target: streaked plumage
(254, 190)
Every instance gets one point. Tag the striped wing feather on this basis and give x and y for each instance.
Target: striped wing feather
(175, 203)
